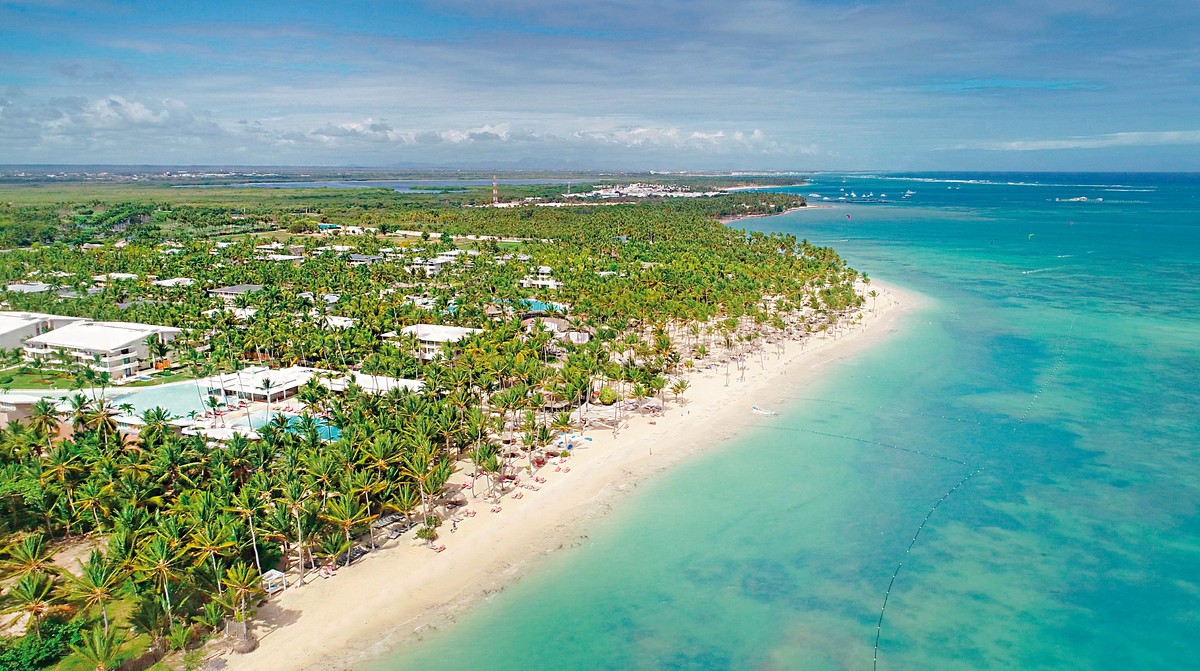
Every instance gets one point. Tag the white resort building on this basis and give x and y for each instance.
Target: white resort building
(371, 384)
(118, 348)
(229, 294)
(431, 337)
(17, 327)
(542, 280)
(260, 383)
(29, 287)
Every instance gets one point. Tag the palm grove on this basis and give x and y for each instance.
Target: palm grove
(184, 527)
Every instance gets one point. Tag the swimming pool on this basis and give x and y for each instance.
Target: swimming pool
(259, 419)
(542, 306)
(177, 399)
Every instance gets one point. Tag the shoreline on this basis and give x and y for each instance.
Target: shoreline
(761, 187)
(401, 592)
(729, 219)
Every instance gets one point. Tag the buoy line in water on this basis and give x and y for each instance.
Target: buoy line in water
(931, 455)
(900, 565)
(1058, 362)
(852, 404)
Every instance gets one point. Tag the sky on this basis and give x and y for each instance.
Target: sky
(1109, 85)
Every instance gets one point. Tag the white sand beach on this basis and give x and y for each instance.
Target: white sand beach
(395, 593)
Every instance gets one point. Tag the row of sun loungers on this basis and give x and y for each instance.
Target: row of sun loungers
(347, 558)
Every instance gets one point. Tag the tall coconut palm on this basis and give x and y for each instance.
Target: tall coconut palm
(93, 496)
(43, 418)
(418, 466)
(31, 554)
(97, 583)
(158, 562)
(100, 647)
(34, 596)
(294, 501)
(244, 503)
(244, 585)
(210, 541)
(346, 512)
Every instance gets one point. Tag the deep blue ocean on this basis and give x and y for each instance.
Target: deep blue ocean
(1050, 381)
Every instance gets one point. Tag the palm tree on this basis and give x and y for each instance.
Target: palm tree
(33, 596)
(294, 502)
(97, 583)
(244, 587)
(403, 498)
(158, 562)
(100, 421)
(154, 429)
(93, 497)
(100, 647)
(678, 387)
(209, 541)
(418, 466)
(158, 349)
(43, 418)
(266, 387)
(150, 617)
(347, 512)
(243, 504)
(31, 554)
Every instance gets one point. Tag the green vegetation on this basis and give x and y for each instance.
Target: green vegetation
(188, 526)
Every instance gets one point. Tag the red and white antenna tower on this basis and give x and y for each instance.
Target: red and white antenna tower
(495, 191)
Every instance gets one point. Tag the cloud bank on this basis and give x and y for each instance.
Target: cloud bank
(913, 84)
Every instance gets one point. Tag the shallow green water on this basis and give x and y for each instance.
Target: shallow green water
(1059, 368)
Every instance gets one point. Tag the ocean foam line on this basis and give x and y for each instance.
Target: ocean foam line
(988, 182)
(1041, 270)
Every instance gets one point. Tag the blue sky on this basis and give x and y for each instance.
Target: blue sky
(670, 84)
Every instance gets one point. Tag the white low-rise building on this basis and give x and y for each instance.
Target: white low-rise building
(114, 277)
(431, 337)
(118, 348)
(259, 383)
(542, 279)
(431, 267)
(532, 282)
(293, 259)
(16, 406)
(240, 314)
(371, 384)
(17, 327)
(174, 282)
(29, 287)
(230, 294)
(334, 321)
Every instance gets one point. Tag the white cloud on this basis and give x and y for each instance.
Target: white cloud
(116, 128)
(1125, 139)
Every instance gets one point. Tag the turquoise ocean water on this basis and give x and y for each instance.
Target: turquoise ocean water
(1055, 363)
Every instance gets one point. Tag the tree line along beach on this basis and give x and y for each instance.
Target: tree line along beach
(215, 403)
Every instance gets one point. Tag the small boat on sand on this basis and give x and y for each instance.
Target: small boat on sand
(762, 411)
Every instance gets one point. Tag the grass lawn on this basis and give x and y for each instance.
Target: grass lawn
(165, 377)
(49, 380)
(54, 380)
